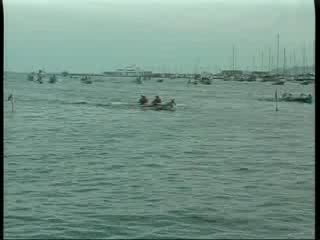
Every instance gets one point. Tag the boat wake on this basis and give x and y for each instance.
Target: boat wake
(122, 105)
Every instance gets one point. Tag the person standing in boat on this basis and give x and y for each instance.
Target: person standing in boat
(156, 101)
(143, 100)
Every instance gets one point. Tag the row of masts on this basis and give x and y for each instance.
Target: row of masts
(272, 66)
(266, 60)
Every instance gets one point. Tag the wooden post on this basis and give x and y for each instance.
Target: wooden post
(276, 98)
(11, 99)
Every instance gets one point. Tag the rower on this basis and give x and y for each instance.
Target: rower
(156, 101)
(143, 100)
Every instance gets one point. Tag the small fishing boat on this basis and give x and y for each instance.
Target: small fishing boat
(305, 77)
(53, 79)
(65, 73)
(249, 78)
(160, 80)
(268, 78)
(138, 80)
(303, 98)
(205, 81)
(194, 82)
(30, 77)
(39, 79)
(86, 80)
(305, 83)
(278, 83)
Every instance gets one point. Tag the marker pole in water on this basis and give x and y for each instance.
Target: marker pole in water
(276, 98)
(11, 99)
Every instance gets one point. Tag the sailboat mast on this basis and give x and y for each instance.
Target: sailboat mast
(269, 68)
(233, 58)
(304, 57)
(294, 61)
(284, 60)
(262, 67)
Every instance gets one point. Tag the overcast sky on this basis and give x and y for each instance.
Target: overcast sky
(170, 35)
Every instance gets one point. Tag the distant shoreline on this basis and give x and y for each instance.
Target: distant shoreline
(296, 70)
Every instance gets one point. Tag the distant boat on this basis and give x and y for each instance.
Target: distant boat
(303, 98)
(86, 80)
(39, 79)
(278, 83)
(138, 80)
(53, 79)
(305, 83)
(270, 78)
(30, 77)
(218, 77)
(305, 77)
(251, 79)
(160, 80)
(194, 82)
(205, 80)
(65, 73)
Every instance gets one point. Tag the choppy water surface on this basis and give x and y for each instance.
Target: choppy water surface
(83, 161)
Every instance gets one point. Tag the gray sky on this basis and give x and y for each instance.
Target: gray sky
(171, 35)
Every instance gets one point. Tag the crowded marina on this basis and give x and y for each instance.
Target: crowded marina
(140, 77)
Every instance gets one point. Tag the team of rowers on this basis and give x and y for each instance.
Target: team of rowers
(156, 101)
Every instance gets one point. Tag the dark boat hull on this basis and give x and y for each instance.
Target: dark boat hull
(278, 83)
(297, 99)
(162, 107)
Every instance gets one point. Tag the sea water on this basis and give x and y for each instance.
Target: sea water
(84, 161)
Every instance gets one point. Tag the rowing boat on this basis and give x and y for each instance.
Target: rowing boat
(159, 107)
